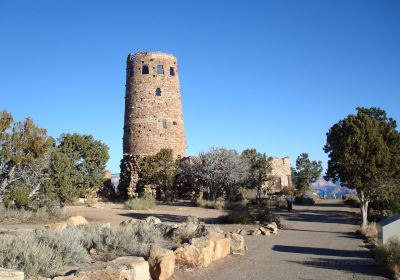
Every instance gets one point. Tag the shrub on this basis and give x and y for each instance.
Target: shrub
(268, 216)
(389, 254)
(369, 231)
(219, 204)
(140, 203)
(351, 200)
(45, 252)
(18, 196)
(42, 214)
(238, 214)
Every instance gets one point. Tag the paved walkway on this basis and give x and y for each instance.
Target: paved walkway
(319, 243)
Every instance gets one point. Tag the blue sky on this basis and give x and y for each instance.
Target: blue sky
(274, 75)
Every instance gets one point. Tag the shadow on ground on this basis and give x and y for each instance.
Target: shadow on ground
(321, 251)
(357, 265)
(320, 216)
(168, 217)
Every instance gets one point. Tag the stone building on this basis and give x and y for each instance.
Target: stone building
(282, 174)
(153, 110)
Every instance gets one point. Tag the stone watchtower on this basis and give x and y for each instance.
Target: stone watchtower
(153, 109)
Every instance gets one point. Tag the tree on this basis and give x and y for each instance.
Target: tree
(77, 166)
(159, 169)
(24, 155)
(363, 151)
(221, 171)
(306, 172)
(259, 170)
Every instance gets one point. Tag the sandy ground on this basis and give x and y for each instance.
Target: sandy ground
(319, 243)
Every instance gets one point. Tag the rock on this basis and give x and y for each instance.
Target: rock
(129, 221)
(264, 231)
(274, 231)
(236, 242)
(183, 231)
(254, 232)
(129, 268)
(206, 248)
(56, 226)
(271, 226)
(188, 256)
(222, 246)
(106, 225)
(76, 221)
(153, 220)
(137, 268)
(161, 262)
(81, 200)
(10, 274)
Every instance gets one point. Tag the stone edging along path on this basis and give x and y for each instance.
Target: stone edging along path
(199, 252)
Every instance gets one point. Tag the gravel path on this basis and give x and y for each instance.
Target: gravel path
(319, 244)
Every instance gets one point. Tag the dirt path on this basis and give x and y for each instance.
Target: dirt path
(319, 244)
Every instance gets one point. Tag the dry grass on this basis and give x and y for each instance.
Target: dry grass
(219, 205)
(140, 203)
(42, 214)
(370, 231)
(389, 255)
(45, 252)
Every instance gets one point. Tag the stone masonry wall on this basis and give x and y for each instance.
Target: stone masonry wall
(281, 170)
(153, 108)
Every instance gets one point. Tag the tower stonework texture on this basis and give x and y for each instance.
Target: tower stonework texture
(153, 108)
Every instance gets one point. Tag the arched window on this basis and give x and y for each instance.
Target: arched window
(171, 71)
(145, 69)
(158, 92)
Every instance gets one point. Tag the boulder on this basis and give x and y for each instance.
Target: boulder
(222, 245)
(188, 256)
(137, 267)
(76, 221)
(206, 248)
(10, 274)
(236, 242)
(153, 220)
(129, 221)
(161, 262)
(254, 232)
(272, 226)
(183, 231)
(264, 231)
(56, 226)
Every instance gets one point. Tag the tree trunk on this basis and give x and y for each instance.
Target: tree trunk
(363, 208)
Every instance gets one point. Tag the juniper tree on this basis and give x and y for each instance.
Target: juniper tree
(363, 151)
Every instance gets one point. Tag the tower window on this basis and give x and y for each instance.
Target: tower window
(171, 71)
(158, 92)
(164, 123)
(160, 70)
(145, 69)
(174, 123)
(132, 72)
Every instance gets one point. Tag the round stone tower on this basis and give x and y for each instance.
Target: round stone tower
(153, 107)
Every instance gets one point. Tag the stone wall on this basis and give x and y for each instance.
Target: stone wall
(281, 171)
(153, 109)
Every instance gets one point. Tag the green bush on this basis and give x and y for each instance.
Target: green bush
(268, 216)
(389, 254)
(351, 200)
(140, 203)
(18, 196)
(238, 214)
